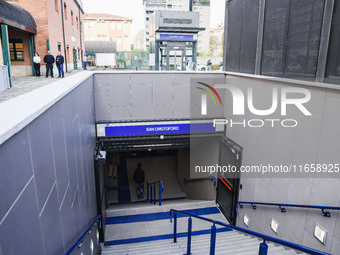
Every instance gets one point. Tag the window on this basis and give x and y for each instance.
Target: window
(16, 49)
(91, 25)
(72, 17)
(112, 39)
(119, 26)
(65, 10)
(59, 46)
(119, 40)
(56, 6)
(77, 22)
(112, 25)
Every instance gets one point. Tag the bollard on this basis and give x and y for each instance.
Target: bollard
(160, 193)
(189, 236)
(175, 227)
(147, 191)
(263, 248)
(154, 194)
(213, 240)
(151, 193)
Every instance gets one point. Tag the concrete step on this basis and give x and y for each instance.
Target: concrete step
(146, 229)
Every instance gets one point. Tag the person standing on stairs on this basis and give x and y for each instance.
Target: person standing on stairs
(138, 177)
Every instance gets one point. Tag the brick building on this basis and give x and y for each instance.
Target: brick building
(59, 28)
(17, 28)
(107, 27)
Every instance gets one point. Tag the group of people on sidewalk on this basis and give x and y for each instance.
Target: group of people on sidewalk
(49, 60)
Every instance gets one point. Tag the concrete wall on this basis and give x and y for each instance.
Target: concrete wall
(144, 95)
(47, 140)
(314, 140)
(204, 190)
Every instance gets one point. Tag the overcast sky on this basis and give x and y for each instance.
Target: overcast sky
(134, 9)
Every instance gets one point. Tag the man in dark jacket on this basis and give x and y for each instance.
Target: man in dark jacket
(59, 60)
(49, 60)
(139, 176)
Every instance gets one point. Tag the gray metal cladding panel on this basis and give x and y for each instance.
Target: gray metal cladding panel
(51, 226)
(77, 215)
(162, 89)
(162, 112)
(141, 99)
(79, 161)
(333, 60)
(119, 90)
(182, 78)
(102, 102)
(242, 35)
(20, 232)
(181, 104)
(41, 149)
(274, 37)
(59, 149)
(119, 113)
(15, 164)
(68, 220)
(71, 159)
(305, 22)
(141, 78)
(101, 79)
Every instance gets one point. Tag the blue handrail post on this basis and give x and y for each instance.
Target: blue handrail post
(175, 227)
(213, 240)
(151, 193)
(160, 193)
(263, 248)
(154, 194)
(189, 236)
(147, 191)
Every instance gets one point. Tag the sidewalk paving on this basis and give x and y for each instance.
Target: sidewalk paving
(24, 84)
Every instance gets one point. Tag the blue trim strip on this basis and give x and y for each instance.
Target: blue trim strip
(162, 237)
(143, 201)
(157, 216)
(95, 221)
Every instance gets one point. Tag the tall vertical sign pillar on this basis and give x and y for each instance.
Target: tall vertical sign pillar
(5, 50)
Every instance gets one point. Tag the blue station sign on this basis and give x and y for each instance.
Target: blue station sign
(154, 128)
(176, 37)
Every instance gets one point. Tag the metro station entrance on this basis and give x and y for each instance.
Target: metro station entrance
(162, 148)
(176, 56)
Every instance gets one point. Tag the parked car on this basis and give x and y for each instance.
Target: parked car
(200, 67)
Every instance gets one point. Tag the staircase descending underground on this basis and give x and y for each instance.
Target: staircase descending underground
(146, 229)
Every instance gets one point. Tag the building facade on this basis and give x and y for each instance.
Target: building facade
(107, 27)
(18, 29)
(200, 6)
(59, 28)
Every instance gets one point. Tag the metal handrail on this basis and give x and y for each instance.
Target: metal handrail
(283, 209)
(263, 246)
(80, 240)
(213, 178)
(152, 185)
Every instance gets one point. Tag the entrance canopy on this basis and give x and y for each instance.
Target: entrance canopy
(17, 17)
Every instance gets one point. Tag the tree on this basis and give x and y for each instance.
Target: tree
(139, 41)
(213, 46)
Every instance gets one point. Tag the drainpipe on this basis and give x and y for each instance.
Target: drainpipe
(5, 49)
(81, 45)
(63, 26)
